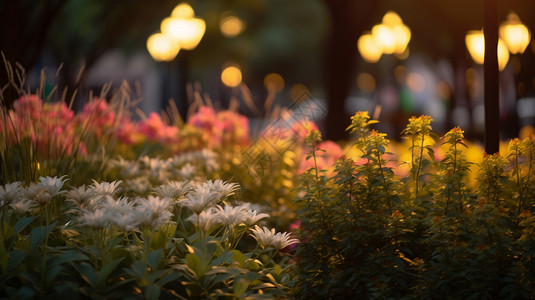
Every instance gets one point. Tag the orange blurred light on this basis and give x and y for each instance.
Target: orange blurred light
(231, 76)
(475, 42)
(231, 26)
(515, 35)
(274, 81)
(183, 11)
(186, 32)
(368, 48)
(161, 47)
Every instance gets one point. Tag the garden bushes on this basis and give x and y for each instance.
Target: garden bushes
(368, 233)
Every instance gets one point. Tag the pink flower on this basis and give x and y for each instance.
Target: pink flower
(204, 118)
(98, 116)
(28, 106)
(157, 131)
(324, 159)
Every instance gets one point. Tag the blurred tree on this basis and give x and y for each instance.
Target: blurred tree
(23, 31)
(73, 30)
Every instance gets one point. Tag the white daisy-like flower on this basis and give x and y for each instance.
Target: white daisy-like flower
(153, 211)
(116, 207)
(222, 187)
(187, 171)
(98, 219)
(173, 189)
(105, 188)
(268, 238)
(155, 168)
(200, 198)
(51, 185)
(138, 185)
(205, 220)
(81, 196)
(253, 217)
(9, 193)
(231, 216)
(210, 160)
(22, 205)
(128, 168)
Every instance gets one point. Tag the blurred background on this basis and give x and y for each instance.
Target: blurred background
(393, 58)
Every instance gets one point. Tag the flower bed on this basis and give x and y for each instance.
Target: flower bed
(96, 205)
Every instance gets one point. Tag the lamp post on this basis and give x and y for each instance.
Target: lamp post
(512, 36)
(181, 31)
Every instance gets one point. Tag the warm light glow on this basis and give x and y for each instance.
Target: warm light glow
(231, 26)
(186, 32)
(515, 35)
(392, 19)
(297, 91)
(385, 38)
(161, 47)
(415, 82)
(183, 11)
(231, 76)
(366, 82)
(391, 36)
(274, 81)
(475, 42)
(368, 49)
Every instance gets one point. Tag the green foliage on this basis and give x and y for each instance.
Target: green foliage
(368, 233)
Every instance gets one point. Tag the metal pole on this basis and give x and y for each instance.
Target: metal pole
(491, 74)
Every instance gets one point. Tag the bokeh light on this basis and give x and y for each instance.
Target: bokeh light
(231, 76)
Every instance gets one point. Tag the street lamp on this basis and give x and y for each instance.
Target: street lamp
(391, 36)
(475, 43)
(515, 34)
(182, 30)
(161, 47)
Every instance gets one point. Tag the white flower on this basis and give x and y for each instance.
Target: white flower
(121, 212)
(200, 198)
(128, 168)
(253, 217)
(222, 187)
(43, 191)
(50, 185)
(81, 196)
(138, 185)
(153, 211)
(267, 238)
(99, 218)
(155, 167)
(22, 205)
(209, 158)
(9, 193)
(231, 216)
(205, 220)
(105, 188)
(173, 189)
(187, 171)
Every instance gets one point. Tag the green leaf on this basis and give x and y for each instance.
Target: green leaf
(152, 292)
(194, 263)
(15, 258)
(87, 272)
(106, 271)
(23, 223)
(154, 258)
(39, 234)
(238, 257)
(240, 286)
(168, 278)
(226, 257)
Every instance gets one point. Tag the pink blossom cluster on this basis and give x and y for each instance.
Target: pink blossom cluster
(327, 153)
(49, 126)
(221, 128)
(56, 130)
